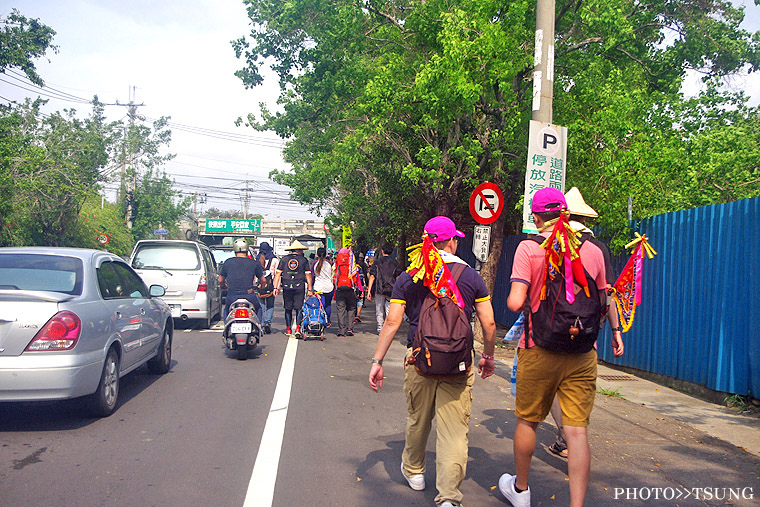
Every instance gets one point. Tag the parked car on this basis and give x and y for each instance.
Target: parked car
(187, 271)
(73, 322)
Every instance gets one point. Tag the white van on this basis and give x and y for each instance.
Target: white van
(187, 272)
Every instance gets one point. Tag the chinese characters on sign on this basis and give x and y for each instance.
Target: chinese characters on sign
(547, 155)
(481, 242)
(233, 225)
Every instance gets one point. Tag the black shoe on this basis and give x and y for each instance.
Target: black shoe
(267, 329)
(350, 332)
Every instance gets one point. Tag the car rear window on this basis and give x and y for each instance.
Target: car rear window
(53, 273)
(222, 255)
(179, 257)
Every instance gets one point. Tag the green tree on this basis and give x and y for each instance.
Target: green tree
(22, 40)
(394, 111)
(157, 204)
(53, 161)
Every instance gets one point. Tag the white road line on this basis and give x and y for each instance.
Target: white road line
(261, 487)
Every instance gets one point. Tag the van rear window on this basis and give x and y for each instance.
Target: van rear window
(167, 257)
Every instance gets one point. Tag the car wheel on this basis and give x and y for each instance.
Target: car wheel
(163, 360)
(103, 401)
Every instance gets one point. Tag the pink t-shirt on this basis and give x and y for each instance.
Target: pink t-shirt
(529, 265)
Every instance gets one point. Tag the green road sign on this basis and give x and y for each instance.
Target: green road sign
(233, 225)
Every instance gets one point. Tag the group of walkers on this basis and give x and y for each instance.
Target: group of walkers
(561, 273)
(561, 267)
(342, 280)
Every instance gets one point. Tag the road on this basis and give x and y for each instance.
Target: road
(192, 437)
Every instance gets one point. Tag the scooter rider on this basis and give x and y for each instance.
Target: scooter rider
(239, 272)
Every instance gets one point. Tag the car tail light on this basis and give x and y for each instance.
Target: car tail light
(60, 333)
(242, 313)
(202, 287)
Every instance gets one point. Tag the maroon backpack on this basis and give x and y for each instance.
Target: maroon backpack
(442, 346)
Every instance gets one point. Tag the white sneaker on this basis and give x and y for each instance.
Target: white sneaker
(449, 504)
(416, 482)
(507, 488)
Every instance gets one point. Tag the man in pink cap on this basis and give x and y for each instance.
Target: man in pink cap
(449, 399)
(544, 372)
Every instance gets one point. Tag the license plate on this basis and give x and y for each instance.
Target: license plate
(240, 327)
(176, 310)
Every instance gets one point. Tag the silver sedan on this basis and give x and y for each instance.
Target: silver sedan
(73, 322)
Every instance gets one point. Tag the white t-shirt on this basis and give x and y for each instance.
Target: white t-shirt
(323, 282)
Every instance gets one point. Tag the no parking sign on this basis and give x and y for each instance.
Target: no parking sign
(486, 203)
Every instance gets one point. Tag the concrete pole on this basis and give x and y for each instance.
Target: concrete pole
(543, 58)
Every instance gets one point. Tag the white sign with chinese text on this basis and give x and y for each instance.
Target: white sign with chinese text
(547, 156)
(481, 242)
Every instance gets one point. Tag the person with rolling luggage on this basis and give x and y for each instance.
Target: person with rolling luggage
(294, 274)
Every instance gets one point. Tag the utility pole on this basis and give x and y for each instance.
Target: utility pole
(245, 207)
(128, 185)
(543, 62)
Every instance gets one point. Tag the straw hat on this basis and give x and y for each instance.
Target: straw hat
(577, 206)
(297, 245)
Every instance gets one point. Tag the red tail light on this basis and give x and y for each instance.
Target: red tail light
(242, 313)
(202, 287)
(60, 333)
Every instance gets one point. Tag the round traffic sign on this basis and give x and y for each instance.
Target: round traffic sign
(103, 238)
(486, 203)
(326, 227)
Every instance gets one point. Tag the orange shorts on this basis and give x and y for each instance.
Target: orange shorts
(542, 373)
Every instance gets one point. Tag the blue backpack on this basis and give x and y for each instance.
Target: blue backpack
(314, 318)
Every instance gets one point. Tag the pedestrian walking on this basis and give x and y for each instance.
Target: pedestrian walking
(556, 274)
(295, 275)
(240, 272)
(361, 293)
(579, 213)
(438, 276)
(346, 280)
(382, 277)
(322, 271)
(266, 285)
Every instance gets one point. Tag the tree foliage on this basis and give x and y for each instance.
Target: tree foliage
(395, 110)
(21, 41)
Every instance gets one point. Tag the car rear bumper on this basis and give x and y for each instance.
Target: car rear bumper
(196, 308)
(33, 377)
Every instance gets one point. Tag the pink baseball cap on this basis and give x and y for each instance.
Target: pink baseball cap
(548, 199)
(441, 228)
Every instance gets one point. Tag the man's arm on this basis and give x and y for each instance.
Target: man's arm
(518, 293)
(309, 281)
(484, 311)
(369, 286)
(618, 348)
(276, 281)
(392, 324)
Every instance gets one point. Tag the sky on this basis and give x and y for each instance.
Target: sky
(178, 57)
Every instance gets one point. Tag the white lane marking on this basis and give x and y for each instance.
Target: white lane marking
(261, 487)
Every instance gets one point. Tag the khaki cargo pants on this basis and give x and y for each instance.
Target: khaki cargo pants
(450, 401)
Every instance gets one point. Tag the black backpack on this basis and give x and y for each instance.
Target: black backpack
(563, 327)
(442, 345)
(387, 271)
(293, 273)
(266, 283)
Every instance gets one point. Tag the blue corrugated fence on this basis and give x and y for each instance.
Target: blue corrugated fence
(699, 320)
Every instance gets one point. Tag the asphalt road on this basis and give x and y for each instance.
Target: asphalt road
(192, 437)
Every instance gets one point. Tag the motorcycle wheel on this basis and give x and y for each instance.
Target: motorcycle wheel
(242, 350)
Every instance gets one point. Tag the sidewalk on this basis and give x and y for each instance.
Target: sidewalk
(718, 421)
